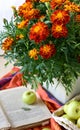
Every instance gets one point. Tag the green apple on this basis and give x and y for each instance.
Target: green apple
(46, 128)
(29, 97)
(78, 122)
(66, 116)
(73, 110)
(65, 107)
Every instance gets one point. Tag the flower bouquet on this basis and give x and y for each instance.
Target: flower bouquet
(43, 38)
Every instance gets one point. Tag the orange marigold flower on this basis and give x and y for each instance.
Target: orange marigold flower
(23, 23)
(25, 6)
(47, 50)
(34, 54)
(6, 45)
(59, 30)
(60, 16)
(56, 3)
(77, 18)
(39, 32)
(27, 11)
(31, 14)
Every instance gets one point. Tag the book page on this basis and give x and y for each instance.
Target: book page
(4, 124)
(16, 111)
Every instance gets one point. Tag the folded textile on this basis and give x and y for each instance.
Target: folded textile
(14, 79)
(11, 79)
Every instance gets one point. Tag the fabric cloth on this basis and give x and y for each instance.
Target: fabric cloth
(11, 79)
(14, 79)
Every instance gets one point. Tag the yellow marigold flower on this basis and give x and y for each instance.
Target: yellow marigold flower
(47, 50)
(6, 45)
(34, 54)
(23, 23)
(60, 16)
(59, 30)
(39, 32)
(19, 36)
(72, 7)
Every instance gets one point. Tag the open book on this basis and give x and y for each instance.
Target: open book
(13, 113)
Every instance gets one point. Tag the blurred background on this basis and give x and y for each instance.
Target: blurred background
(6, 12)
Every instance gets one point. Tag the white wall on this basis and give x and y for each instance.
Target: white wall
(6, 11)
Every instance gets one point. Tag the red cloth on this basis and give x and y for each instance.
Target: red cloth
(16, 81)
